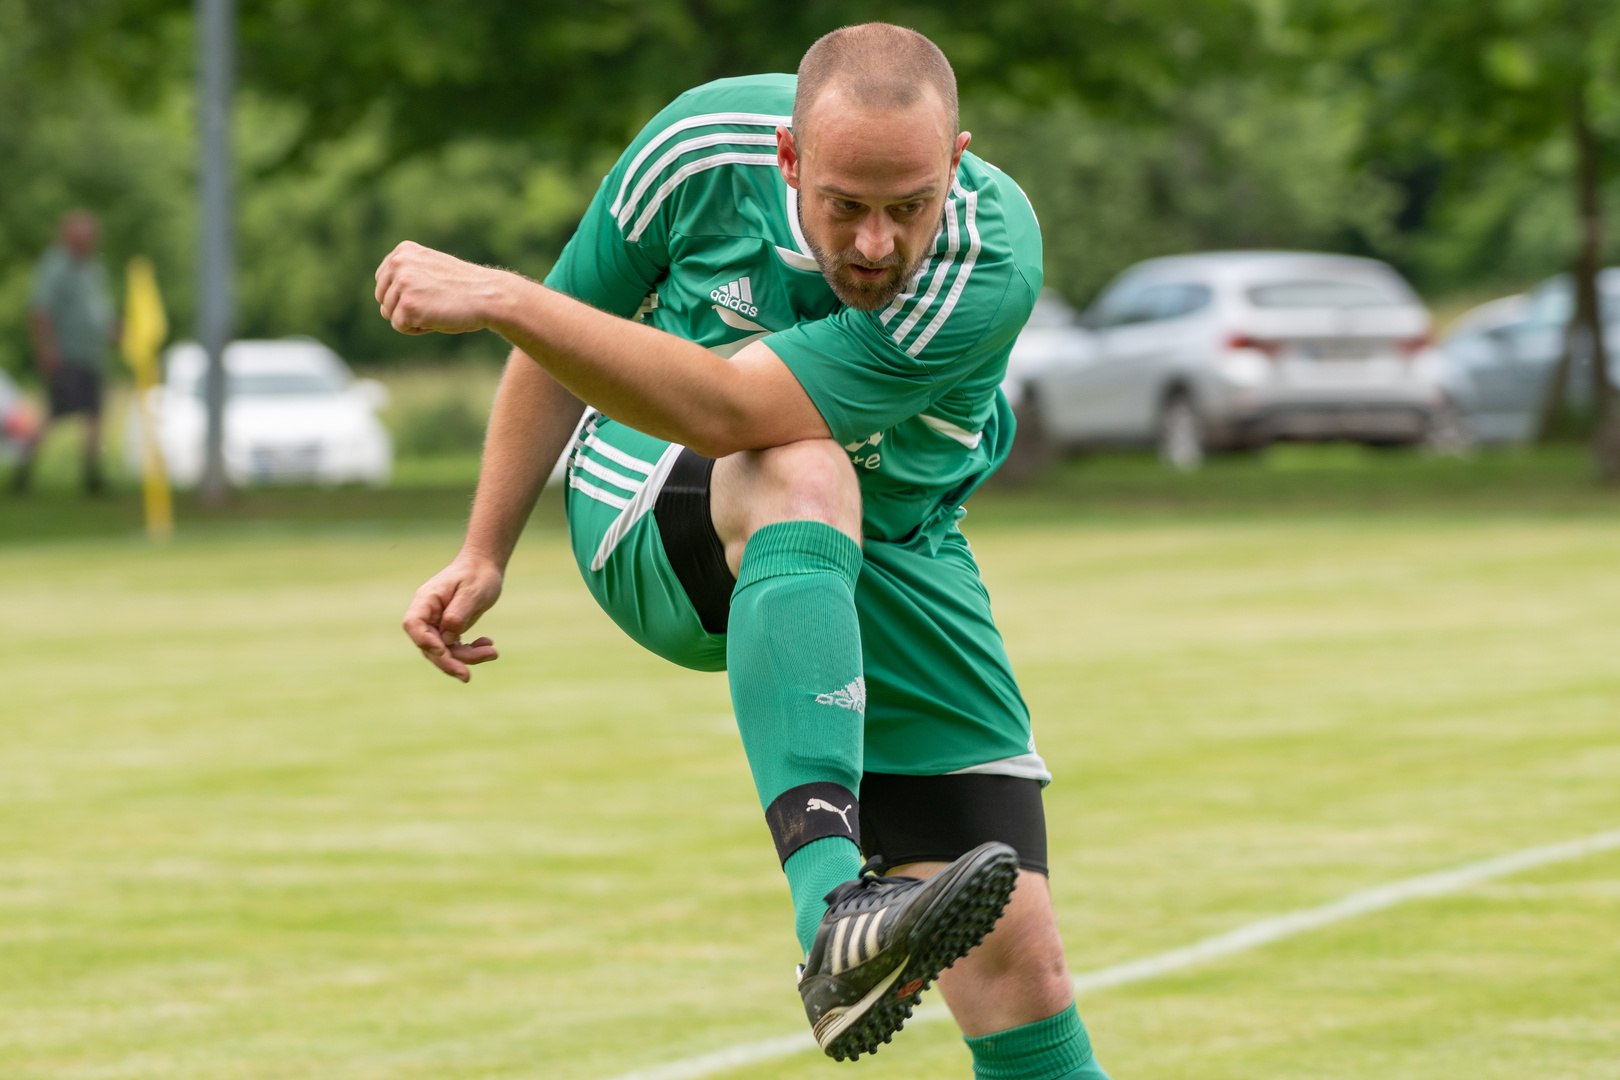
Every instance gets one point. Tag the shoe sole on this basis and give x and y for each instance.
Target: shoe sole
(968, 910)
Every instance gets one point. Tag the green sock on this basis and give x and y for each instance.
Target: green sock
(812, 872)
(1056, 1048)
(793, 658)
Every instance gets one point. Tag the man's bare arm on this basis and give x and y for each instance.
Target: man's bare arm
(652, 381)
(528, 429)
(46, 355)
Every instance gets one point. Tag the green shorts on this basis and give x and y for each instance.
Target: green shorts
(940, 693)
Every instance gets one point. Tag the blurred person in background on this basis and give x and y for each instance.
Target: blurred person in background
(70, 315)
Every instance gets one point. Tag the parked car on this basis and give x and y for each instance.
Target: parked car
(1498, 358)
(1234, 350)
(19, 420)
(294, 413)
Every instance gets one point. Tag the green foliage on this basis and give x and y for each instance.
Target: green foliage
(1237, 165)
(482, 128)
(1471, 77)
(587, 74)
(450, 425)
(71, 143)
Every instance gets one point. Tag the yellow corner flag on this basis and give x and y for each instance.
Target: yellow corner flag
(145, 327)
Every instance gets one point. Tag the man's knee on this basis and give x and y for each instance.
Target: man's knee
(816, 480)
(1027, 939)
(802, 481)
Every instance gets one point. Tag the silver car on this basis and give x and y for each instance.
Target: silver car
(1498, 358)
(1234, 350)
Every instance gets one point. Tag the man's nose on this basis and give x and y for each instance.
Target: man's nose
(875, 239)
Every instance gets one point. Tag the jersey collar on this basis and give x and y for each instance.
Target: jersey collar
(800, 259)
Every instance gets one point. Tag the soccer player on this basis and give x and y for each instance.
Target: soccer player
(768, 479)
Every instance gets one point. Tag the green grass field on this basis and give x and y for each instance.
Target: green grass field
(245, 832)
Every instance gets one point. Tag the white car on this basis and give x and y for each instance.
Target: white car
(19, 421)
(1499, 358)
(1236, 350)
(294, 413)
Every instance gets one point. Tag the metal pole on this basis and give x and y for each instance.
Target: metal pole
(216, 46)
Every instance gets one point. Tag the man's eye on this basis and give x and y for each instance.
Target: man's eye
(909, 208)
(846, 206)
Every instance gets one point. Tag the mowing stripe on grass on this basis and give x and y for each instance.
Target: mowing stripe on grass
(1252, 936)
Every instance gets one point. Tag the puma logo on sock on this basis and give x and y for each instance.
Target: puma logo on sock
(823, 804)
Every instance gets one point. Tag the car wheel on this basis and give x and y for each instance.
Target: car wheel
(1031, 450)
(1448, 433)
(1181, 434)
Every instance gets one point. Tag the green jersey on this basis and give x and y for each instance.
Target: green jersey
(73, 295)
(696, 229)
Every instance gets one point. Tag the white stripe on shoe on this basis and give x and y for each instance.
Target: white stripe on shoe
(838, 964)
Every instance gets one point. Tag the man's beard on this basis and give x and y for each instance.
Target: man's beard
(865, 295)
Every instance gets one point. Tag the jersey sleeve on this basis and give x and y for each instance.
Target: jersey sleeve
(867, 371)
(622, 248)
(600, 265)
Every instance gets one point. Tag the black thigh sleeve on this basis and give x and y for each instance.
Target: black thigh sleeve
(909, 819)
(694, 549)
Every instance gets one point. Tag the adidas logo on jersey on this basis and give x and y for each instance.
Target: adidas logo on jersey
(737, 295)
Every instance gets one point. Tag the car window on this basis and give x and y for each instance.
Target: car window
(1156, 303)
(1550, 305)
(1117, 306)
(1473, 347)
(1324, 294)
(1174, 301)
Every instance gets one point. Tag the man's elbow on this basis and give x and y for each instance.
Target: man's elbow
(726, 430)
(716, 441)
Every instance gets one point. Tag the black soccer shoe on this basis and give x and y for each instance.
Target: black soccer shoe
(885, 939)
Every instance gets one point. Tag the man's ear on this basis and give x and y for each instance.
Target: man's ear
(962, 141)
(787, 156)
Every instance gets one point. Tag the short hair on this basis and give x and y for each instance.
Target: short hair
(885, 67)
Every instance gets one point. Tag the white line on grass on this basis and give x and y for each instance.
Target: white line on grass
(1252, 936)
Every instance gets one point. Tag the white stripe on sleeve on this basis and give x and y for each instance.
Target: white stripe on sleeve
(691, 169)
(705, 120)
(686, 147)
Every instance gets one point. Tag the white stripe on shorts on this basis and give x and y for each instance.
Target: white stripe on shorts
(602, 472)
(615, 455)
(618, 502)
(634, 510)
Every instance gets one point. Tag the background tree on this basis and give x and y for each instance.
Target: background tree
(1465, 81)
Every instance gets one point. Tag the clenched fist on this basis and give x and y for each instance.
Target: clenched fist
(423, 291)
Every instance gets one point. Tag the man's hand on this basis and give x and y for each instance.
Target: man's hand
(423, 291)
(446, 607)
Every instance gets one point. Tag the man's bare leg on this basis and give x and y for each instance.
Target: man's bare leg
(1018, 975)
(93, 482)
(1017, 980)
